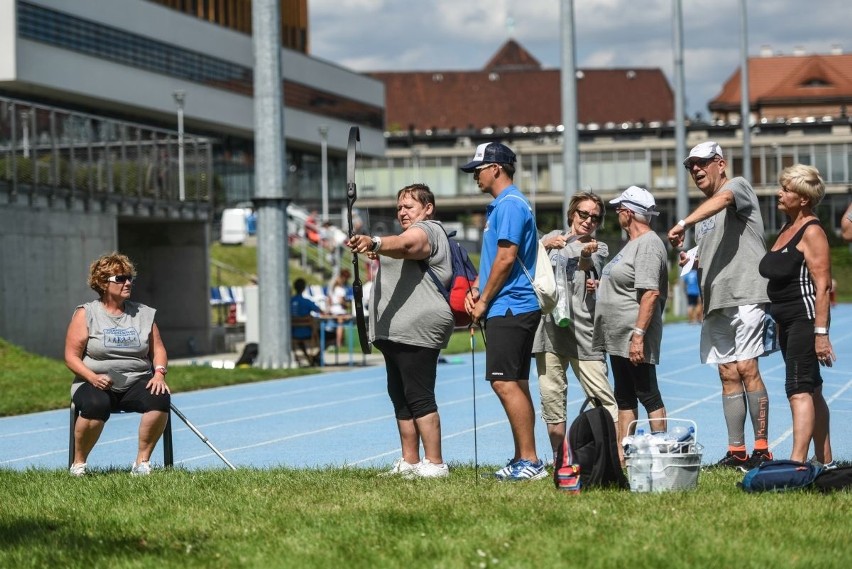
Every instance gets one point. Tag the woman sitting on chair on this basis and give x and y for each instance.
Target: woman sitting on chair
(114, 348)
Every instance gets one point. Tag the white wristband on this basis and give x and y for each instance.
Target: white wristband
(821, 330)
(682, 223)
(639, 331)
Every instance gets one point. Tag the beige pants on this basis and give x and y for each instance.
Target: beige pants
(553, 384)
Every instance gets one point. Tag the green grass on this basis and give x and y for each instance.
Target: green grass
(31, 383)
(339, 517)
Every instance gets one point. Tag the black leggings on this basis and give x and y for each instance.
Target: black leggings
(94, 403)
(635, 382)
(411, 378)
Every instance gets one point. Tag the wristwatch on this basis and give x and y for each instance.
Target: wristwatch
(161, 369)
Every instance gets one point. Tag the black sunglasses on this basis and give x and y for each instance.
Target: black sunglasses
(121, 279)
(584, 215)
(700, 162)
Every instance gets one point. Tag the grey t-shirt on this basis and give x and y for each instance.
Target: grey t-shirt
(640, 265)
(575, 341)
(409, 308)
(730, 247)
(118, 344)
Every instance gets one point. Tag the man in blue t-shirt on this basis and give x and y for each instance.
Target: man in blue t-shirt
(694, 310)
(301, 306)
(504, 302)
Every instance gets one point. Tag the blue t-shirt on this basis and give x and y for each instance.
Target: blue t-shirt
(690, 281)
(301, 306)
(510, 218)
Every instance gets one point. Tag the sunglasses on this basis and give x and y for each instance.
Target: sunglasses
(700, 162)
(584, 215)
(121, 279)
(483, 167)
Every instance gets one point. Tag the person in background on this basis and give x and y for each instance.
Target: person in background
(693, 297)
(339, 294)
(556, 347)
(409, 323)
(846, 225)
(629, 316)
(729, 233)
(301, 306)
(114, 349)
(504, 303)
(798, 267)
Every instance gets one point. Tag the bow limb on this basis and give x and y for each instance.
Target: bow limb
(351, 196)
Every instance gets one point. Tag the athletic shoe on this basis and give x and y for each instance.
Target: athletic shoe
(427, 469)
(506, 471)
(757, 458)
(399, 467)
(527, 470)
(77, 469)
(827, 466)
(141, 469)
(730, 460)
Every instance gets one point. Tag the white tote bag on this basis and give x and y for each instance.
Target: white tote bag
(544, 283)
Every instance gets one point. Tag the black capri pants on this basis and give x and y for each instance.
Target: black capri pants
(796, 338)
(635, 383)
(94, 403)
(412, 371)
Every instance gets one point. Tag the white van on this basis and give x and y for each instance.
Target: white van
(234, 227)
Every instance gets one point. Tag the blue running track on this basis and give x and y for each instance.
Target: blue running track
(344, 418)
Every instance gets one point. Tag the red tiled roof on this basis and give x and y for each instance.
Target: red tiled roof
(798, 78)
(514, 91)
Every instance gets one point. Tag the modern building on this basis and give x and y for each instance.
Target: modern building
(90, 94)
(626, 132)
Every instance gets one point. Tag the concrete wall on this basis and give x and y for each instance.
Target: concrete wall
(45, 253)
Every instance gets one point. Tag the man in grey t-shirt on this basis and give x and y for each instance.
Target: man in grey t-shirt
(729, 233)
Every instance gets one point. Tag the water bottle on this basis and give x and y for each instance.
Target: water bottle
(681, 437)
(639, 464)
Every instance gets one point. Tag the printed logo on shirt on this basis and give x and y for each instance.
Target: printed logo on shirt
(704, 227)
(608, 268)
(784, 250)
(121, 338)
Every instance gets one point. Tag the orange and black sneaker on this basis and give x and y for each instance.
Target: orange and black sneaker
(758, 457)
(731, 460)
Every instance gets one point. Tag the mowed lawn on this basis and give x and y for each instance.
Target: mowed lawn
(350, 518)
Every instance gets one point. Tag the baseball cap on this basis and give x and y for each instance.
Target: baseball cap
(707, 149)
(490, 153)
(638, 200)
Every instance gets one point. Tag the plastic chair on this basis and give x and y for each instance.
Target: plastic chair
(168, 451)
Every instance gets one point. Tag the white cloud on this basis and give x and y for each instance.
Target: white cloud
(371, 35)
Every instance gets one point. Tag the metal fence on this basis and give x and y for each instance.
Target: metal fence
(59, 153)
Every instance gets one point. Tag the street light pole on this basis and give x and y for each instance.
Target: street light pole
(323, 130)
(180, 97)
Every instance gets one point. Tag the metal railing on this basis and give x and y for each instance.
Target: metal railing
(66, 154)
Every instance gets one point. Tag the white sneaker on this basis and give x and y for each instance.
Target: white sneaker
(427, 469)
(141, 469)
(77, 469)
(399, 467)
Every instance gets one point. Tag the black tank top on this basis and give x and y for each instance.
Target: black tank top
(791, 288)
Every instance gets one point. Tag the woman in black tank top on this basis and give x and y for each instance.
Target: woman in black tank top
(799, 271)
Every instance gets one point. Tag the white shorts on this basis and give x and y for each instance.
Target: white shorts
(733, 334)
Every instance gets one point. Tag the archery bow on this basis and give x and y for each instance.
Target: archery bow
(351, 196)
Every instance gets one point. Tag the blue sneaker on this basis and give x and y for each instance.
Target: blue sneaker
(506, 471)
(527, 470)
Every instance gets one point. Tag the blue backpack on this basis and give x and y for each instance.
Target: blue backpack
(780, 475)
(464, 275)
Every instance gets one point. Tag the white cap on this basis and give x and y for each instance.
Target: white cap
(638, 200)
(707, 149)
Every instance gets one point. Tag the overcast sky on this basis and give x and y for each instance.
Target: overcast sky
(429, 35)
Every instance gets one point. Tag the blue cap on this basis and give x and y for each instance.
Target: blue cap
(490, 153)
